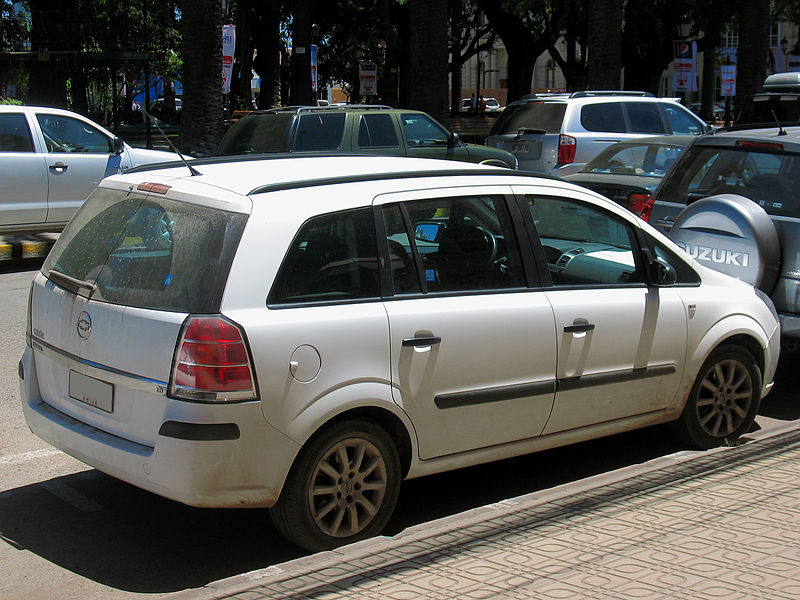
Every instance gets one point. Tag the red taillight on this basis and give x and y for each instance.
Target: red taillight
(567, 145)
(212, 362)
(640, 205)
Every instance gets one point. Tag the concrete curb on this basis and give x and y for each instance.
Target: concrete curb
(35, 246)
(237, 584)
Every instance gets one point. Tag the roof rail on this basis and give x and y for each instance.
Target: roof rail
(336, 107)
(592, 93)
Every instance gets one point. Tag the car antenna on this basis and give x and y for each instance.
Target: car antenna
(157, 123)
(781, 130)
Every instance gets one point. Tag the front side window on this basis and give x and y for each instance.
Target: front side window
(377, 131)
(65, 134)
(584, 245)
(421, 130)
(319, 131)
(682, 122)
(333, 258)
(464, 243)
(14, 133)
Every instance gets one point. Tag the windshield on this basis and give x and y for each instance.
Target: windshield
(763, 172)
(256, 134)
(148, 252)
(645, 160)
(546, 116)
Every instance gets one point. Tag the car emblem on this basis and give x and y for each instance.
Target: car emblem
(84, 325)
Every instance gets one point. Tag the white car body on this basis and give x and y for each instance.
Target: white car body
(504, 379)
(42, 183)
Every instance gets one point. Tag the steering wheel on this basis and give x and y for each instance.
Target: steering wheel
(492, 242)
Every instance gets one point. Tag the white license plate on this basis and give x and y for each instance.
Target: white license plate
(91, 391)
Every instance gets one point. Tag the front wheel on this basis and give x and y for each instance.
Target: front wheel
(342, 488)
(724, 399)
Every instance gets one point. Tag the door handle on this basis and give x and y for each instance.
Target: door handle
(59, 166)
(416, 342)
(579, 328)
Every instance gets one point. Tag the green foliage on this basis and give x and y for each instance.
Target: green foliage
(11, 101)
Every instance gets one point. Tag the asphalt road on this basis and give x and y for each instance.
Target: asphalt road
(67, 531)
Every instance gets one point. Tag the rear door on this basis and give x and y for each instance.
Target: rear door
(23, 173)
(472, 348)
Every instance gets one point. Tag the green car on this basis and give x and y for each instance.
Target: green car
(367, 129)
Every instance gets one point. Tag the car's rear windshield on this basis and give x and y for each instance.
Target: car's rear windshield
(765, 172)
(147, 251)
(546, 116)
(257, 134)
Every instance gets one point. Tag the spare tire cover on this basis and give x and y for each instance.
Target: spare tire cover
(731, 234)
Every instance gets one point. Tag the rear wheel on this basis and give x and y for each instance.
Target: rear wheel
(342, 488)
(724, 399)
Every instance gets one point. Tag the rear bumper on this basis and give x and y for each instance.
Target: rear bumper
(222, 455)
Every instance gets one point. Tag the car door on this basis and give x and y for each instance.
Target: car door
(621, 343)
(23, 173)
(472, 348)
(78, 157)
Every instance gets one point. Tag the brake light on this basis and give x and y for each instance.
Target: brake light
(640, 205)
(756, 144)
(154, 188)
(567, 145)
(212, 362)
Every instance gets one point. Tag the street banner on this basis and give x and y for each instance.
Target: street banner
(727, 75)
(368, 76)
(684, 67)
(313, 67)
(228, 47)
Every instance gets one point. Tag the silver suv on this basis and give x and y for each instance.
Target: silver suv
(731, 201)
(559, 133)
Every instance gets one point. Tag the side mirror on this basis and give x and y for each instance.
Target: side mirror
(453, 139)
(117, 145)
(428, 231)
(662, 274)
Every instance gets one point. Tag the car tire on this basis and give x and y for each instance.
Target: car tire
(325, 503)
(731, 234)
(724, 399)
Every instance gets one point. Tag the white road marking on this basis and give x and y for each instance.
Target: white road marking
(18, 459)
(71, 496)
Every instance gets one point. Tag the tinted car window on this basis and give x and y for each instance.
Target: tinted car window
(377, 131)
(65, 134)
(644, 117)
(768, 177)
(547, 116)
(256, 134)
(333, 257)
(149, 252)
(584, 245)
(682, 122)
(319, 131)
(464, 243)
(606, 116)
(421, 130)
(14, 133)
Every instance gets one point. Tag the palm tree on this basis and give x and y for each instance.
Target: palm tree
(605, 44)
(201, 118)
(751, 57)
(428, 90)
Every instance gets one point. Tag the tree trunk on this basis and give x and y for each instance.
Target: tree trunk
(51, 31)
(751, 57)
(428, 91)
(267, 62)
(201, 118)
(301, 54)
(605, 44)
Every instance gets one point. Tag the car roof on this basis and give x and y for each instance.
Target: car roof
(790, 135)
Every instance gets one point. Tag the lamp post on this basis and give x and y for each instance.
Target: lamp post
(784, 43)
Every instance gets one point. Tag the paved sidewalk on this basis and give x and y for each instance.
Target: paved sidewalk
(723, 524)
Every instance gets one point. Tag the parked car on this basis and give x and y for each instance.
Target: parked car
(51, 160)
(777, 104)
(629, 172)
(353, 128)
(303, 333)
(492, 105)
(731, 201)
(559, 133)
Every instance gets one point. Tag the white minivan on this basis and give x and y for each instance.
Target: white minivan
(304, 333)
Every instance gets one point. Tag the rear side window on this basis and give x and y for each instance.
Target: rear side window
(377, 131)
(606, 116)
(149, 252)
(333, 257)
(319, 131)
(769, 177)
(14, 133)
(644, 117)
(257, 134)
(546, 116)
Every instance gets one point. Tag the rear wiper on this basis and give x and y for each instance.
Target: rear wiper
(71, 283)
